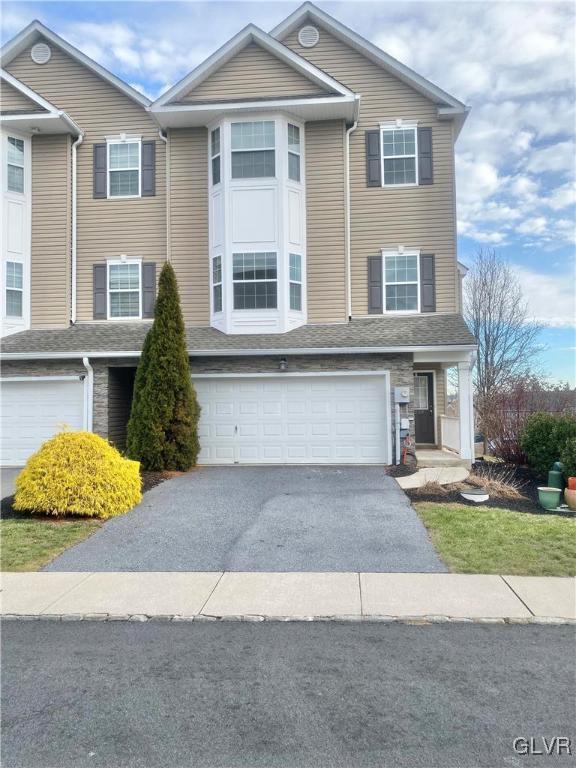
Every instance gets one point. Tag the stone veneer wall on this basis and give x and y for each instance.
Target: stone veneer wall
(400, 367)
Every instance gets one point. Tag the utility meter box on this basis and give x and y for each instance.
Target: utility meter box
(401, 394)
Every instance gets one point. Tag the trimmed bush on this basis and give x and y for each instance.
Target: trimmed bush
(163, 425)
(78, 473)
(568, 457)
(544, 438)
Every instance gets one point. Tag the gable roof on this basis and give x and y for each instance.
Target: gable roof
(448, 106)
(36, 30)
(56, 120)
(251, 34)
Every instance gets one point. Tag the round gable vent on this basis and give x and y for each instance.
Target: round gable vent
(308, 36)
(40, 53)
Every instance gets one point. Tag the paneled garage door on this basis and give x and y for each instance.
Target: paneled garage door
(294, 419)
(33, 411)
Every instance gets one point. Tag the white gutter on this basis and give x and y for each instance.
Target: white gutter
(163, 135)
(244, 352)
(75, 146)
(348, 245)
(88, 394)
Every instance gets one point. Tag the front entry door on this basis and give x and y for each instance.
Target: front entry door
(424, 407)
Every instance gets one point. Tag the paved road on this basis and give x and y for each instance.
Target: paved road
(237, 695)
(264, 519)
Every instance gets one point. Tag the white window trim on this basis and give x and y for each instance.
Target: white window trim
(123, 139)
(254, 149)
(399, 125)
(214, 284)
(113, 262)
(16, 165)
(218, 154)
(411, 282)
(8, 288)
(292, 152)
(261, 280)
(295, 282)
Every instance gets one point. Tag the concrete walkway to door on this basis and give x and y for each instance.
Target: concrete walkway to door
(264, 519)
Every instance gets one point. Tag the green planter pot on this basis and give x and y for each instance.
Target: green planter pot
(549, 498)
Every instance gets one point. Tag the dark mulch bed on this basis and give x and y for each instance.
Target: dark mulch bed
(528, 490)
(152, 479)
(400, 470)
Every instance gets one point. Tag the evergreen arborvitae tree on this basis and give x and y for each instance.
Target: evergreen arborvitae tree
(163, 425)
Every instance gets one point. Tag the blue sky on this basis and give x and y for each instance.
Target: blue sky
(512, 62)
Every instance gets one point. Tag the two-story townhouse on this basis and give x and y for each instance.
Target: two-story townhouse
(302, 185)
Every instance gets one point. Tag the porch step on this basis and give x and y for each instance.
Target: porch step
(436, 457)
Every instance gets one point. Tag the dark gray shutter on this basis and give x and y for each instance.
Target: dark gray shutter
(373, 160)
(99, 170)
(148, 168)
(427, 283)
(148, 288)
(425, 171)
(99, 291)
(375, 285)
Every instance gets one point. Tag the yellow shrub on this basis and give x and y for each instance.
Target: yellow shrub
(78, 473)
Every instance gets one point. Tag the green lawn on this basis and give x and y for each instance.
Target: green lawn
(30, 543)
(486, 540)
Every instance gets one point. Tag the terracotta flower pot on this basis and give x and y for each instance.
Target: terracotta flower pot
(570, 497)
(549, 498)
(572, 483)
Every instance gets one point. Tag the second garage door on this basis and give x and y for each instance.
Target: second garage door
(335, 419)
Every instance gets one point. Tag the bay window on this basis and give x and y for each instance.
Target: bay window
(15, 163)
(255, 280)
(124, 290)
(217, 284)
(401, 282)
(293, 152)
(295, 282)
(14, 288)
(253, 150)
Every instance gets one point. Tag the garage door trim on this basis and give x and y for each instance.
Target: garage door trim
(300, 374)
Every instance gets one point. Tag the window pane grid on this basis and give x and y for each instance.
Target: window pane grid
(401, 278)
(124, 156)
(217, 283)
(260, 295)
(124, 169)
(14, 272)
(13, 303)
(252, 165)
(296, 297)
(254, 266)
(15, 153)
(399, 155)
(255, 135)
(124, 290)
(254, 278)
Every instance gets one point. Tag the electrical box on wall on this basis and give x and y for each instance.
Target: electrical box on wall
(401, 394)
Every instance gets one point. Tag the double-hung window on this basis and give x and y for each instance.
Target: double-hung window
(15, 163)
(253, 150)
(296, 282)
(14, 288)
(293, 152)
(215, 155)
(124, 290)
(255, 280)
(124, 168)
(401, 282)
(217, 284)
(399, 153)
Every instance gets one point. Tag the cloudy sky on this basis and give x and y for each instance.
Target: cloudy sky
(512, 62)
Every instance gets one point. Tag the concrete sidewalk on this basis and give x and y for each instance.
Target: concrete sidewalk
(420, 597)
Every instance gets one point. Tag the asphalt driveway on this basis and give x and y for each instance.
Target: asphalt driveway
(263, 519)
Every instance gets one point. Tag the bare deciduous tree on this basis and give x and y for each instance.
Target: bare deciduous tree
(497, 315)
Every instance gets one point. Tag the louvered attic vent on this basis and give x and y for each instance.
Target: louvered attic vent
(308, 36)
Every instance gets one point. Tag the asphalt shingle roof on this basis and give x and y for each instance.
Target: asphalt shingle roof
(377, 332)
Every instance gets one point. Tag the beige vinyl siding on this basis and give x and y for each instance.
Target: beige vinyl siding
(106, 228)
(189, 221)
(325, 222)
(420, 217)
(51, 212)
(12, 100)
(254, 72)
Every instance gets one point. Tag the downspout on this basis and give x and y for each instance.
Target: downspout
(163, 135)
(89, 394)
(349, 131)
(75, 146)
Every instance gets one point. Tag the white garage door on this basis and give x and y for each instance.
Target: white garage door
(294, 420)
(33, 411)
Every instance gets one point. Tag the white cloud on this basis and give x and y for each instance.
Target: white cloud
(558, 157)
(550, 297)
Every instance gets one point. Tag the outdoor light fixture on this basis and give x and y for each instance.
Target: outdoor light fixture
(283, 365)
